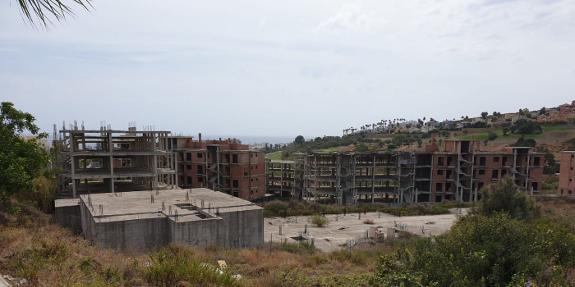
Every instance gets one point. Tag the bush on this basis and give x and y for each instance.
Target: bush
(483, 251)
(491, 136)
(523, 142)
(525, 127)
(319, 220)
(505, 197)
(173, 264)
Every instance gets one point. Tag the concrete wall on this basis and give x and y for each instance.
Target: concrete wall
(69, 217)
(137, 234)
(201, 233)
(232, 230)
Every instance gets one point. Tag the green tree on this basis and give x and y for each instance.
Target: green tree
(484, 115)
(299, 140)
(523, 142)
(506, 197)
(21, 159)
(525, 127)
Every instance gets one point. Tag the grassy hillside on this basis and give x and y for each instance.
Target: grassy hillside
(553, 136)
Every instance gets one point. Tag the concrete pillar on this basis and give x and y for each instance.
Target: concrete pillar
(111, 150)
(73, 174)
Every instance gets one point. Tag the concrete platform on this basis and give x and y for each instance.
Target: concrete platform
(144, 220)
(342, 229)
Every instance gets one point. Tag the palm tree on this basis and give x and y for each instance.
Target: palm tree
(43, 10)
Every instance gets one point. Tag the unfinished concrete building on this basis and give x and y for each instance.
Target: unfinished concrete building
(145, 220)
(567, 173)
(284, 178)
(107, 160)
(223, 165)
(454, 172)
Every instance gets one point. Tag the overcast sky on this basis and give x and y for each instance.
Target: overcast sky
(282, 68)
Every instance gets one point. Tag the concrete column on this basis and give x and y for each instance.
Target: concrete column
(176, 168)
(73, 174)
(111, 150)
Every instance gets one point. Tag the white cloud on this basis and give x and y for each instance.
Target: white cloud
(349, 17)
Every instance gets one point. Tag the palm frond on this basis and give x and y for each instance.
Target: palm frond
(45, 10)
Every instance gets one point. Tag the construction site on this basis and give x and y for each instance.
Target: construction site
(223, 165)
(107, 160)
(451, 171)
(121, 189)
(284, 178)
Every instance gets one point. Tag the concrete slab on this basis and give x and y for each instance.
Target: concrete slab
(184, 203)
(349, 227)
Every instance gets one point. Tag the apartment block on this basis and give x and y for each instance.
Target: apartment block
(454, 171)
(284, 178)
(567, 174)
(107, 160)
(222, 165)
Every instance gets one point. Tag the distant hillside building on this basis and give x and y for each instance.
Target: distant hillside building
(222, 165)
(563, 113)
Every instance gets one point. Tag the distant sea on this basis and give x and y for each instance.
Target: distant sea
(253, 140)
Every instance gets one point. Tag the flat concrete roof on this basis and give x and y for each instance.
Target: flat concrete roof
(64, 202)
(177, 204)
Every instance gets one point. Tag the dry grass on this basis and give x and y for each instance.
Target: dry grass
(48, 255)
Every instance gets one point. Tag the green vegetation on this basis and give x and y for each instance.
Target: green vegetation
(279, 208)
(22, 160)
(505, 198)
(276, 155)
(525, 127)
(319, 220)
(175, 265)
(525, 142)
(503, 243)
(299, 140)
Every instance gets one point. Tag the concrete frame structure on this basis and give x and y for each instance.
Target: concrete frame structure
(284, 178)
(145, 220)
(107, 160)
(222, 165)
(456, 171)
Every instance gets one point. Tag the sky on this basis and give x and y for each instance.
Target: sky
(282, 68)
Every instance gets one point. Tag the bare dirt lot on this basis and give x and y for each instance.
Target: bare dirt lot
(343, 228)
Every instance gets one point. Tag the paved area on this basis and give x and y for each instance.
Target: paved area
(342, 228)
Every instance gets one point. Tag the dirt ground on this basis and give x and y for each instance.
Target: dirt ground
(353, 227)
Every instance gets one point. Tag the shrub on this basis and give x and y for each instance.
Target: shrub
(525, 127)
(483, 251)
(491, 136)
(523, 142)
(303, 247)
(174, 264)
(505, 197)
(319, 220)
